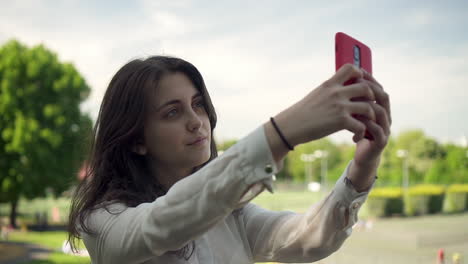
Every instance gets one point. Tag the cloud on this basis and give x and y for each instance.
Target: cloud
(256, 60)
(427, 91)
(420, 17)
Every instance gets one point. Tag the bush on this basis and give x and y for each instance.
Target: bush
(419, 200)
(456, 198)
(385, 201)
(424, 199)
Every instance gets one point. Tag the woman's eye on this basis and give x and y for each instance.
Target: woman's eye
(175, 111)
(171, 113)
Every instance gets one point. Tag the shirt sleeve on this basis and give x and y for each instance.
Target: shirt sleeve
(290, 237)
(190, 208)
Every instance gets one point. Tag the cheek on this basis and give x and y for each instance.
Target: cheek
(207, 130)
(207, 124)
(161, 139)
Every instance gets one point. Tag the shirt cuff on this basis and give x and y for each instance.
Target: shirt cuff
(259, 164)
(345, 187)
(348, 198)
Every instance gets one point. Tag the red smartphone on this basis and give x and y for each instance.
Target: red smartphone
(350, 50)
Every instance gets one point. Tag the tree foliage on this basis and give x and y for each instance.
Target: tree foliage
(428, 161)
(41, 125)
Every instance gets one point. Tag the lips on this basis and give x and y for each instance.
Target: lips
(197, 140)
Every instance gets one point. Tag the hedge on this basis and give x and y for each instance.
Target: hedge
(421, 199)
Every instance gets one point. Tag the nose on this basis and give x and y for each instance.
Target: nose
(195, 122)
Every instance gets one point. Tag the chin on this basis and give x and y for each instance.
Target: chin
(207, 157)
(200, 160)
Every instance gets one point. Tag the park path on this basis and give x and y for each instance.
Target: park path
(27, 252)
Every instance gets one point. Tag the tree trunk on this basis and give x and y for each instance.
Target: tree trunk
(13, 213)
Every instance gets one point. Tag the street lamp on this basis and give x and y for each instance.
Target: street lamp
(322, 154)
(308, 159)
(403, 153)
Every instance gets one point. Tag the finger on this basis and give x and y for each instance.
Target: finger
(357, 138)
(368, 76)
(356, 127)
(360, 91)
(361, 109)
(381, 96)
(381, 117)
(377, 132)
(347, 72)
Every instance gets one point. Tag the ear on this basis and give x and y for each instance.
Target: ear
(139, 148)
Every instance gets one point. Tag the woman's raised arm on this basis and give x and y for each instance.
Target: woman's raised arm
(308, 237)
(190, 208)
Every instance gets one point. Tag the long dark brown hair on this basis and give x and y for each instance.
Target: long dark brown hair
(114, 173)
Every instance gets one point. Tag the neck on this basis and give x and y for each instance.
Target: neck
(168, 176)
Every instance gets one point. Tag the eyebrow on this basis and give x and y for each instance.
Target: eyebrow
(175, 101)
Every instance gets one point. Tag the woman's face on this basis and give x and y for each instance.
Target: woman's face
(176, 118)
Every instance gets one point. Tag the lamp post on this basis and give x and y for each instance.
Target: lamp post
(464, 143)
(464, 165)
(322, 154)
(403, 153)
(308, 159)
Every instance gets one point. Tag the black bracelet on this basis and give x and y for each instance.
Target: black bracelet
(281, 134)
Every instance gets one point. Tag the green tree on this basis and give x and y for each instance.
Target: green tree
(41, 125)
(438, 173)
(422, 151)
(390, 170)
(456, 160)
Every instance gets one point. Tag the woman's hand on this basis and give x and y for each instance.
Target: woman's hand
(368, 151)
(367, 157)
(332, 107)
(329, 108)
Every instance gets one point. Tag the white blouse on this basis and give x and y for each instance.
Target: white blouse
(211, 207)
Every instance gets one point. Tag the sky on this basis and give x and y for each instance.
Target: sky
(260, 57)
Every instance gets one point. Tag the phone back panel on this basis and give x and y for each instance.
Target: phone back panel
(345, 52)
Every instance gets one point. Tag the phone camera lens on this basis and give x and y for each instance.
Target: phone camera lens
(357, 56)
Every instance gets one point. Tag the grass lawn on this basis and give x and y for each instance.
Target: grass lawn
(296, 201)
(60, 258)
(287, 200)
(50, 240)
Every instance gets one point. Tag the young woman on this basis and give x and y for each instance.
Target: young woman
(157, 192)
